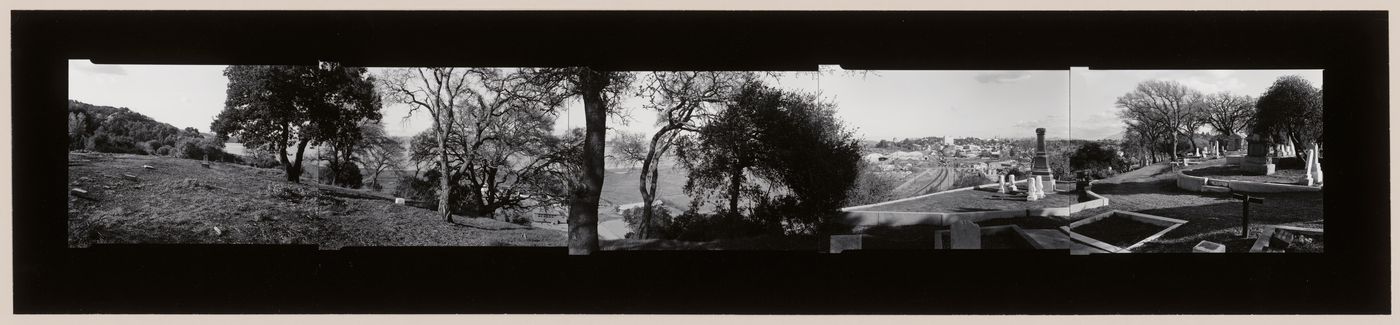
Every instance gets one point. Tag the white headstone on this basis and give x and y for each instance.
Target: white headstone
(400, 201)
(1308, 169)
(1033, 188)
(1001, 184)
(1317, 164)
(1013, 183)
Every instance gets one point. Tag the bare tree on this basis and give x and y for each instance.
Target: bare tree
(1229, 114)
(380, 153)
(1168, 104)
(436, 90)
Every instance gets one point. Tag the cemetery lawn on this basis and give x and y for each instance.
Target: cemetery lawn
(1215, 170)
(180, 202)
(980, 200)
(1210, 216)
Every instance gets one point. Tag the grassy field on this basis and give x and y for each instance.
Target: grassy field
(620, 186)
(181, 202)
(1210, 216)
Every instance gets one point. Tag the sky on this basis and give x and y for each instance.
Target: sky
(877, 105)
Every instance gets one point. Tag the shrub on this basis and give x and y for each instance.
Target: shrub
(1097, 161)
(660, 220)
(871, 187)
(515, 216)
(163, 151)
(694, 226)
(348, 175)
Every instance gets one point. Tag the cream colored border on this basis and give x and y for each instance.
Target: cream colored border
(6, 270)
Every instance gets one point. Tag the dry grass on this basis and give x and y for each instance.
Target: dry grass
(180, 202)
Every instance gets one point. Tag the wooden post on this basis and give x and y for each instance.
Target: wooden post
(1244, 218)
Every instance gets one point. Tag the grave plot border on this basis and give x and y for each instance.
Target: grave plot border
(1169, 223)
(1197, 184)
(903, 218)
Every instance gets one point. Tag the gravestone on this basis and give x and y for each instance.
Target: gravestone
(400, 201)
(841, 243)
(1206, 246)
(1040, 164)
(1013, 183)
(1257, 160)
(965, 235)
(1308, 167)
(1001, 184)
(1316, 164)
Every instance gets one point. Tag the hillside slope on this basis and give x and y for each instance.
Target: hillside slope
(181, 202)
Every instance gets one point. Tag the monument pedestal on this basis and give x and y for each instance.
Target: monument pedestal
(1258, 165)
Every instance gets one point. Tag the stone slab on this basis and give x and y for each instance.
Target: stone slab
(966, 235)
(840, 243)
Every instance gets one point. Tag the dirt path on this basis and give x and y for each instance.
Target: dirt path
(1210, 216)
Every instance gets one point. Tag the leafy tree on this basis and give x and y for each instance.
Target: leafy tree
(285, 106)
(724, 150)
(789, 141)
(1290, 109)
(345, 129)
(683, 100)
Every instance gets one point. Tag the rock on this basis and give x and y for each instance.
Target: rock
(400, 201)
(130, 177)
(84, 178)
(216, 232)
(78, 191)
(147, 167)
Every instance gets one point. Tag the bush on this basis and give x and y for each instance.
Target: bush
(694, 226)
(660, 221)
(163, 151)
(348, 175)
(1097, 161)
(871, 187)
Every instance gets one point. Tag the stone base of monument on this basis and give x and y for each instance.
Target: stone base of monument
(841, 243)
(1257, 166)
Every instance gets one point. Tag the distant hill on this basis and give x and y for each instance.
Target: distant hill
(121, 130)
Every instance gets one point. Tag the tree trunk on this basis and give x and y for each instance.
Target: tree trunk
(583, 208)
(444, 180)
(736, 180)
(294, 171)
(647, 184)
(1175, 141)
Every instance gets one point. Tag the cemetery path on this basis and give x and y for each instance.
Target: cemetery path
(1210, 216)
